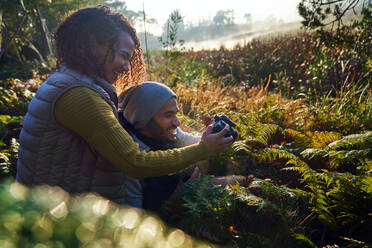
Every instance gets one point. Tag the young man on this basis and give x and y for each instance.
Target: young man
(150, 116)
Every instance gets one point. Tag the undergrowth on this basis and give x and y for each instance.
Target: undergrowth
(303, 114)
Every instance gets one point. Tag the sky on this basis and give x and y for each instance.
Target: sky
(195, 10)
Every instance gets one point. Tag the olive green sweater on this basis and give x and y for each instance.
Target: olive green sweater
(86, 113)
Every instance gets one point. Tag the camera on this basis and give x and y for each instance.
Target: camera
(220, 122)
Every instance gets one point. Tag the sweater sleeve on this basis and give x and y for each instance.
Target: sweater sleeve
(85, 112)
(187, 138)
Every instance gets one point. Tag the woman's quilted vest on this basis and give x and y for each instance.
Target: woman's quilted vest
(50, 154)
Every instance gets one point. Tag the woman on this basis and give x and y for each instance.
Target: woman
(71, 137)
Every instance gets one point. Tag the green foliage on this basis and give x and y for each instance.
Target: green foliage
(319, 70)
(261, 215)
(335, 169)
(353, 141)
(332, 171)
(340, 199)
(8, 160)
(311, 139)
(192, 72)
(15, 96)
(351, 153)
(26, 39)
(348, 113)
(49, 217)
(187, 71)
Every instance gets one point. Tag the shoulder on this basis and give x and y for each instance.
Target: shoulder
(187, 138)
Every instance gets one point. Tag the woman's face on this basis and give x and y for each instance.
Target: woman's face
(118, 63)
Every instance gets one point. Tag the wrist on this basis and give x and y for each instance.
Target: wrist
(205, 153)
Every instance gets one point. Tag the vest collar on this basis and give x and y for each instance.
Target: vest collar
(94, 80)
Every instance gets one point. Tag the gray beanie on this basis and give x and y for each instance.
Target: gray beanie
(142, 102)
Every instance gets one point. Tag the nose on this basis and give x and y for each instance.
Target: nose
(125, 65)
(176, 121)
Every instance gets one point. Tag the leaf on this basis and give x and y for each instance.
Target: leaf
(23, 6)
(302, 237)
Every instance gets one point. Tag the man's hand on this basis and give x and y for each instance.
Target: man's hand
(207, 120)
(216, 142)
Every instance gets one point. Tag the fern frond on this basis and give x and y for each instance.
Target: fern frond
(321, 139)
(242, 147)
(255, 142)
(299, 138)
(367, 184)
(355, 157)
(356, 243)
(300, 166)
(247, 124)
(313, 153)
(270, 154)
(312, 139)
(261, 135)
(353, 141)
(268, 132)
(298, 162)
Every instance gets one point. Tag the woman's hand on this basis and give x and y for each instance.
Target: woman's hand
(216, 142)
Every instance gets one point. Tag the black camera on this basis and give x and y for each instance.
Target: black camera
(220, 122)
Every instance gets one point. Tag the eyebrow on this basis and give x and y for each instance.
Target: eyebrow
(130, 56)
(171, 111)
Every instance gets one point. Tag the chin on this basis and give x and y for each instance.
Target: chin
(172, 138)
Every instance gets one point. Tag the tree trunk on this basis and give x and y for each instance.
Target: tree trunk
(4, 49)
(32, 46)
(1, 28)
(17, 51)
(47, 47)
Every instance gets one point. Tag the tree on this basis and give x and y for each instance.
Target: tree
(1, 27)
(171, 31)
(26, 24)
(26, 28)
(319, 13)
(121, 6)
(248, 18)
(224, 17)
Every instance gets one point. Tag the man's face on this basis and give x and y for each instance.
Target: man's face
(164, 123)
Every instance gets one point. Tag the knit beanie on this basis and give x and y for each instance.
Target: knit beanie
(142, 102)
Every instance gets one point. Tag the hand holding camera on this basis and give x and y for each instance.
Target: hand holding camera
(220, 122)
(220, 134)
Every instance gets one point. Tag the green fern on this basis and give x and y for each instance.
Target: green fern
(270, 154)
(318, 183)
(312, 139)
(268, 133)
(353, 141)
(299, 138)
(354, 158)
(321, 139)
(5, 165)
(349, 160)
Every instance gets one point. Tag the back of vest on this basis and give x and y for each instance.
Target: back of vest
(51, 154)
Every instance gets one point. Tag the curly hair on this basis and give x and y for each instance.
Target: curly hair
(78, 35)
